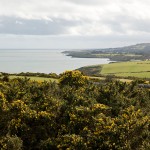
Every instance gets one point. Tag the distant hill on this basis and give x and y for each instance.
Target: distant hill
(143, 48)
(127, 53)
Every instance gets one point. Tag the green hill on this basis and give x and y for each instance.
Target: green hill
(140, 69)
(127, 53)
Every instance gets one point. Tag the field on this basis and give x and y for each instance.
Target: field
(40, 79)
(139, 75)
(113, 54)
(120, 54)
(139, 69)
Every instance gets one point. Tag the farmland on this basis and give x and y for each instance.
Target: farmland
(140, 69)
(39, 79)
(127, 53)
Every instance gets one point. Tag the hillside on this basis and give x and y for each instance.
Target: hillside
(74, 114)
(140, 69)
(127, 53)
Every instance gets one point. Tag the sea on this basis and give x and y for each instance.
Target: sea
(43, 61)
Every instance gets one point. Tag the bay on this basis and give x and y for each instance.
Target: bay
(44, 61)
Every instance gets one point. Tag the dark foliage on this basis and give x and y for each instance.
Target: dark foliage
(49, 116)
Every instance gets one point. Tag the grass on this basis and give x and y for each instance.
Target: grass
(140, 69)
(139, 75)
(40, 79)
(136, 69)
(113, 54)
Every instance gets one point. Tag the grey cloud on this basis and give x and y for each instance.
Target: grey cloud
(88, 2)
(73, 17)
(140, 25)
(116, 26)
(59, 26)
(14, 25)
(122, 24)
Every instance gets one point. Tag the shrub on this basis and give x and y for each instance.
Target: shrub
(73, 78)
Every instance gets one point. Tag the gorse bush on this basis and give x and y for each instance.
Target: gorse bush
(11, 143)
(73, 115)
(73, 78)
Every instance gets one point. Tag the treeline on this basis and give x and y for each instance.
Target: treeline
(32, 74)
(74, 114)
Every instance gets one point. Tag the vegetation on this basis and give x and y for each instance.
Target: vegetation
(34, 78)
(74, 114)
(140, 69)
(31, 74)
(91, 70)
(134, 52)
(73, 78)
(125, 67)
(41, 77)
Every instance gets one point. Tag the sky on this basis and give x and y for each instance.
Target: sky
(73, 24)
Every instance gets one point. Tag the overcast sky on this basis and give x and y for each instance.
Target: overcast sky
(73, 23)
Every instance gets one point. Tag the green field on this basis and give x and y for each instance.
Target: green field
(113, 54)
(139, 75)
(39, 79)
(124, 69)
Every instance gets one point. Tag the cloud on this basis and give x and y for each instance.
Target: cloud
(88, 2)
(76, 18)
(20, 26)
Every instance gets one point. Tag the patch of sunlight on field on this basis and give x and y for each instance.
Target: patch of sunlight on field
(41, 79)
(139, 75)
(111, 54)
(127, 68)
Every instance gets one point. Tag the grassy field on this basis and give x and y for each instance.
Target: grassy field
(124, 69)
(139, 75)
(113, 54)
(140, 69)
(40, 79)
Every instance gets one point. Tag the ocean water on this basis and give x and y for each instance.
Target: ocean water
(46, 61)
